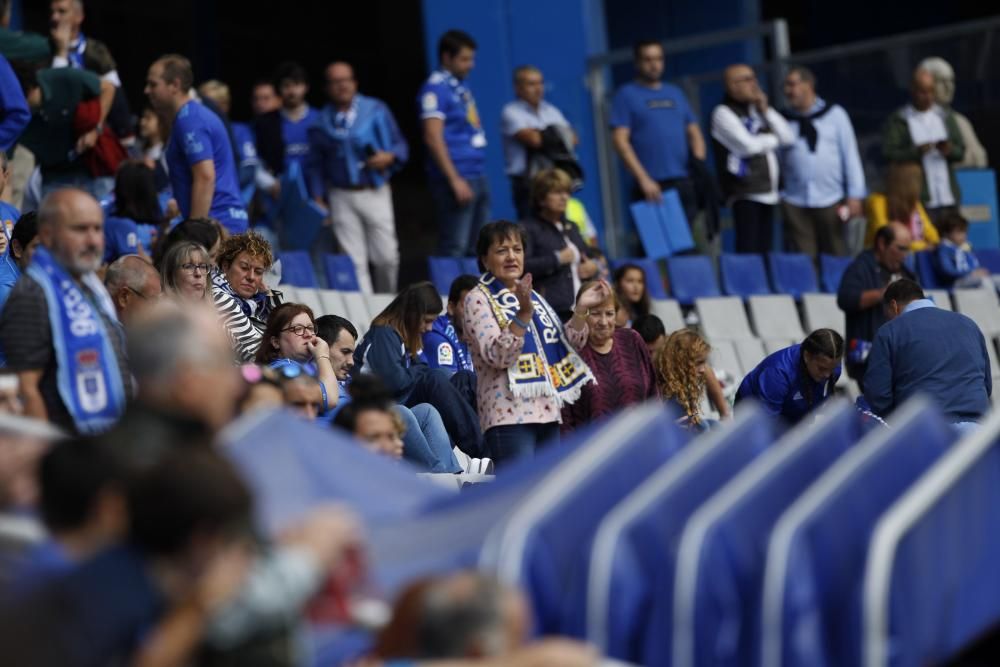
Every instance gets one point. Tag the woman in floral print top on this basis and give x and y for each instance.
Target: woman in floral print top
(513, 426)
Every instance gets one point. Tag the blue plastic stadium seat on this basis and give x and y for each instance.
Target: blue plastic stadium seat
(692, 277)
(297, 269)
(340, 273)
(470, 266)
(792, 273)
(654, 280)
(443, 272)
(743, 275)
(989, 259)
(926, 274)
(831, 270)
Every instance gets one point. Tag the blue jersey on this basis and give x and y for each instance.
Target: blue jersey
(445, 97)
(295, 134)
(121, 237)
(199, 135)
(444, 350)
(246, 149)
(781, 385)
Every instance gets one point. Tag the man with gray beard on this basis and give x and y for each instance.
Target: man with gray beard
(59, 329)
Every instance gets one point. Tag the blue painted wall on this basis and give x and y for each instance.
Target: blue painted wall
(554, 35)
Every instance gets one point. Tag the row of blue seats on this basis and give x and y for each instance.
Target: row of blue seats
(338, 271)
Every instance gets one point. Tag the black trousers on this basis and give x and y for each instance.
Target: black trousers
(754, 223)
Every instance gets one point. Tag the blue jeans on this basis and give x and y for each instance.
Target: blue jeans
(458, 417)
(506, 443)
(458, 226)
(431, 446)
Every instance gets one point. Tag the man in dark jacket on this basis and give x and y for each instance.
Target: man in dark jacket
(862, 288)
(926, 350)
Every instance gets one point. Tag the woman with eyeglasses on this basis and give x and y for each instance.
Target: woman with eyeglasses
(290, 345)
(185, 271)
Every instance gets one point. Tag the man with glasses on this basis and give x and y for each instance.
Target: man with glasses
(861, 293)
(59, 328)
(355, 147)
(134, 283)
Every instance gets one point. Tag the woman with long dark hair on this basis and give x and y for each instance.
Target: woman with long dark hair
(137, 205)
(390, 350)
(629, 281)
(795, 381)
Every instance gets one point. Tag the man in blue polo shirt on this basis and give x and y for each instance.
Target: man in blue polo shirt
(655, 132)
(456, 144)
(199, 154)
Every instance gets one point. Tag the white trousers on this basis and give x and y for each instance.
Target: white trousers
(365, 227)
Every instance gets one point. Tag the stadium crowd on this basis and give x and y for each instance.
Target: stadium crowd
(143, 314)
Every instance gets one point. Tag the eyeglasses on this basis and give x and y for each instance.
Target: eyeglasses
(301, 329)
(190, 268)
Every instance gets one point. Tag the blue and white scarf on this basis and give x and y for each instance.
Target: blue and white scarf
(87, 373)
(257, 307)
(548, 365)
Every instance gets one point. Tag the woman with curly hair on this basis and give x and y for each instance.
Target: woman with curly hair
(682, 367)
(243, 300)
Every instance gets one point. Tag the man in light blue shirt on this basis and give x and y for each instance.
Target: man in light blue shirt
(522, 122)
(824, 182)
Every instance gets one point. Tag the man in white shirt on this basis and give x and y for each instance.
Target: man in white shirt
(522, 122)
(926, 133)
(746, 134)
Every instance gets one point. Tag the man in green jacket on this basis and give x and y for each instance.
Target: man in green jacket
(926, 133)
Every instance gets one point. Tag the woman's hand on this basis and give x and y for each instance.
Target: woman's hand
(594, 296)
(522, 290)
(319, 348)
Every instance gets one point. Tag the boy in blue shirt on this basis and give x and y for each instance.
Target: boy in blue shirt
(199, 154)
(456, 144)
(443, 344)
(954, 262)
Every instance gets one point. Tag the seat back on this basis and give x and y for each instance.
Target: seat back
(743, 275)
(940, 297)
(692, 277)
(340, 273)
(722, 553)
(310, 297)
(928, 277)
(297, 269)
(982, 306)
(989, 259)
(775, 317)
(669, 312)
(792, 273)
(631, 562)
(332, 303)
(831, 268)
(443, 271)
(932, 576)
(816, 555)
(723, 318)
(470, 266)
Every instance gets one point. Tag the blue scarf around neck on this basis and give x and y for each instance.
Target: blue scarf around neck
(87, 373)
(548, 365)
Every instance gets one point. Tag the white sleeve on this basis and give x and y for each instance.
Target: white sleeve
(780, 127)
(728, 130)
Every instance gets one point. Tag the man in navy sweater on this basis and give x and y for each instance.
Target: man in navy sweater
(926, 350)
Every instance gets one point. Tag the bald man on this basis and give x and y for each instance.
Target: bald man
(133, 283)
(746, 135)
(926, 133)
(59, 328)
(862, 288)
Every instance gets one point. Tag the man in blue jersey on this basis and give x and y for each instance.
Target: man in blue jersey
(199, 154)
(282, 135)
(443, 344)
(456, 144)
(655, 132)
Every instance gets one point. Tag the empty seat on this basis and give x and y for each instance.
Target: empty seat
(926, 274)
(310, 297)
(743, 275)
(792, 273)
(332, 303)
(831, 270)
(340, 274)
(470, 266)
(443, 271)
(669, 312)
(723, 318)
(723, 357)
(772, 345)
(750, 352)
(982, 306)
(654, 279)
(692, 277)
(775, 317)
(378, 302)
(356, 310)
(297, 269)
(940, 297)
(820, 311)
(989, 258)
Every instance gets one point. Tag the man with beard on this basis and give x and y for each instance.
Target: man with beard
(59, 329)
